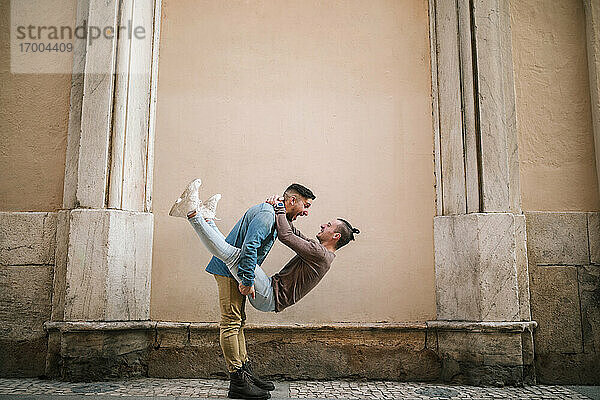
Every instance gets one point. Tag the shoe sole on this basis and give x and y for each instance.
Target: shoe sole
(269, 389)
(234, 395)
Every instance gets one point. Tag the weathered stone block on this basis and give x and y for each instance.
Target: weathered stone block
(555, 307)
(27, 238)
(25, 293)
(456, 272)
(187, 362)
(53, 355)
(567, 369)
(528, 357)
(475, 263)
(100, 354)
(334, 354)
(60, 269)
(482, 348)
(22, 358)
(522, 267)
(557, 238)
(204, 335)
(306, 353)
(481, 358)
(104, 343)
(104, 265)
(594, 237)
(172, 335)
(589, 296)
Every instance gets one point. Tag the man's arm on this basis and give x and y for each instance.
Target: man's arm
(296, 232)
(260, 227)
(299, 243)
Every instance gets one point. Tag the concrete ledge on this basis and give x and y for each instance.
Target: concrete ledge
(489, 353)
(473, 326)
(482, 326)
(329, 351)
(70, 326)
(74, 326)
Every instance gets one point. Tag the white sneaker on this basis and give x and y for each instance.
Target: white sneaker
(209, 208)
(188, 201)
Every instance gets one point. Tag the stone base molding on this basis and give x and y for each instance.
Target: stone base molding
(95, 351)
(491, 353)
(485, 353)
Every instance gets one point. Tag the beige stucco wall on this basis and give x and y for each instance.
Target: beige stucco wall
(34, 112)
(335, 95)
(556, 145)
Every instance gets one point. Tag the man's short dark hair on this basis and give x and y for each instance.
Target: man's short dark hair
(346, 231)
(303, 191)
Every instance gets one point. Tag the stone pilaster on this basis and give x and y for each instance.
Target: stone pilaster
(480, 236)
(592, 19)
(104, 232)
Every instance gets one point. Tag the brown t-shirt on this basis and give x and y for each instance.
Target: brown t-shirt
(303, 272)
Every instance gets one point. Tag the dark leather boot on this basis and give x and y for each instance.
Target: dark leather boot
(265, 385)
(241, 387)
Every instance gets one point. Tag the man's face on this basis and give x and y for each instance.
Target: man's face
(328, 231)
(297, 206)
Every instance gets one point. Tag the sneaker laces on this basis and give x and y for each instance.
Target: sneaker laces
(247, 377)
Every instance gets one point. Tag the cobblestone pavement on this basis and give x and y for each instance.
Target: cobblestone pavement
(217, 389)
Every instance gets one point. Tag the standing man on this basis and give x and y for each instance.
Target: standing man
(254, 233)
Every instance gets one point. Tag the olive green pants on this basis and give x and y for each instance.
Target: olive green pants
(233, 318)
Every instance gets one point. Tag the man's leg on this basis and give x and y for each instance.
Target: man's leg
(246, 365)
(212, 224)
(230, 304)
(233, 316)
(214, 240)
(241, 337)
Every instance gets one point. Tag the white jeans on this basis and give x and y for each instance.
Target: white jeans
(215, 242)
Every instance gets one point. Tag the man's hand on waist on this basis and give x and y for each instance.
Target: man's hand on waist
(247, 290)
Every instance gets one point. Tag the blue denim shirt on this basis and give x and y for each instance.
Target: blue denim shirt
(254, 233)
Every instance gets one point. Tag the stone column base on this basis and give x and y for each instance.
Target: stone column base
(434, 351)
(481, 267)
(103, 265)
